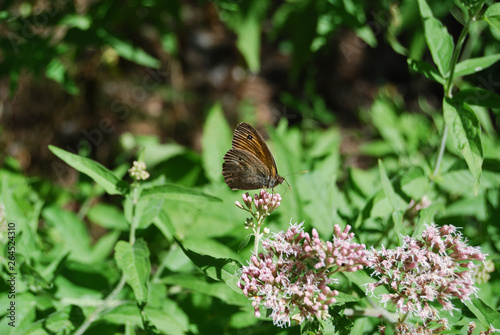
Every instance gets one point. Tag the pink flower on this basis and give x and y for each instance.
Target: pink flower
(435, 268)
(292, 276)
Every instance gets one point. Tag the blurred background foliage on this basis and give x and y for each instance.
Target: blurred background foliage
(104, 79)
(156, 67)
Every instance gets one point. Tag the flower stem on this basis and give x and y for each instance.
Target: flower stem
(109, 302)
(441, 152)
(257, 239)
(448, 87)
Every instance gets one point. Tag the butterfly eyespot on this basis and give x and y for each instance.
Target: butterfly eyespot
(250, 137)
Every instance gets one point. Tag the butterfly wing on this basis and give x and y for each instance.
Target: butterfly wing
(244, 171)
(248, 139)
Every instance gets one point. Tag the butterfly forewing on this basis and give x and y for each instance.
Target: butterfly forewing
(248, 139)
(249, 165)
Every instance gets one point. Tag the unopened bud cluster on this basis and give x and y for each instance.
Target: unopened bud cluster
(138, 171)
(265, 203)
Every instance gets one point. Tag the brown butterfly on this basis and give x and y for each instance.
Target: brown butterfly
(249, 164)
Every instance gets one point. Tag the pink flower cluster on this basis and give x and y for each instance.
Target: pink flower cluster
(435, 268)
(293, 274)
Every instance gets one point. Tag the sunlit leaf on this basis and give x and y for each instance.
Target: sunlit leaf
(133, 260)
(466, 135)
(94, 170)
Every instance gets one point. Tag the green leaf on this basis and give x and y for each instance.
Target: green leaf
(365, 32)
(244, 242)
(492, 15)
(25, 305)
(94, 170)
(397, 213)
(478, 97)
(429, 71)
(217, 289)
(385, 119)
(128, 51)
(4, 15)
(179, 193)
(415, 183)
(211, 247)
(473, 65)
(108, 216)
(466, 135)
(438, 39)
(82, 22)
(147, 209)
(215, 142)
(60, 322)
(485, 314)
(166, 321)
(426, 216)
(246, 22)
(57, 72)
(342, 298)
(104, 247)
(224, 269)
(248, 42)
(69, 232)
(133, 260)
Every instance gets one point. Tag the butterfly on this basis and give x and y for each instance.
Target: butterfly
(249, 164)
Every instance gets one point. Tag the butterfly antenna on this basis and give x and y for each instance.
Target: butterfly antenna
(291, 174)
(289, 186)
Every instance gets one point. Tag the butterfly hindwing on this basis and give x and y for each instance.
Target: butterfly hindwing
(243, 171)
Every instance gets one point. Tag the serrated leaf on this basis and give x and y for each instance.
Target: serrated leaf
(438, 39)
(216, 141)
(473, 65)
(133, 260)
(100, 174)
(466, 135)
(429, 71)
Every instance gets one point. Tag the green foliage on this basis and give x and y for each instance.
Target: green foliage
(112, 255)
